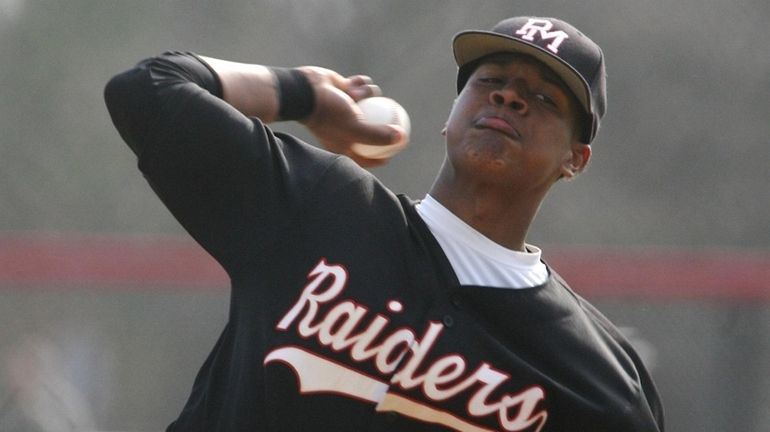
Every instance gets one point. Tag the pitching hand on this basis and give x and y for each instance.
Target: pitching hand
(336, 120)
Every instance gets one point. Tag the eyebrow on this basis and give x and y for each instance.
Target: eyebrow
(550, 77)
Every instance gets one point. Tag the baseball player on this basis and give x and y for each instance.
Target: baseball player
(356, 309)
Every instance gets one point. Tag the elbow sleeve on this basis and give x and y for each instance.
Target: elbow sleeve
(135, 98)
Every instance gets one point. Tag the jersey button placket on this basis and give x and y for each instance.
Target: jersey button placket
(448, 321)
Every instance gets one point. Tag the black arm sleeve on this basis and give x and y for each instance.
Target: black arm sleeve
(227, 178)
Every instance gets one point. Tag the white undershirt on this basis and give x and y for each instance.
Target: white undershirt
(476, 259)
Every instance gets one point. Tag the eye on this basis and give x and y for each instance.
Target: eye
(545, 99)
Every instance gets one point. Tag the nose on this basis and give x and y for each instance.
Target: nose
(508, 96)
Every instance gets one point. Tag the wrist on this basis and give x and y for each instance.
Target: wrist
(296, 97)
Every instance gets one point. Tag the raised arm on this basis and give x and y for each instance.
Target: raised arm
(321, 99)
(198, 128)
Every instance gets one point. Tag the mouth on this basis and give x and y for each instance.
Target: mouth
(497, 124)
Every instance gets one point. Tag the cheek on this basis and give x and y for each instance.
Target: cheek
(452, 127)
(455, 123)
(555, 145)
(464, 103)
(559, 132)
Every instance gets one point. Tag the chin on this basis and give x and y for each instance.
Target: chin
(484, 167)
(488, 153)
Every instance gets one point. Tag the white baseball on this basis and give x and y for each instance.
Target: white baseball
(383, 110)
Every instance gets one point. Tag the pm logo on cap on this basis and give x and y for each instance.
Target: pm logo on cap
(535, 26)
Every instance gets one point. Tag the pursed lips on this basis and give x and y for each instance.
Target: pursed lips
(497, 123)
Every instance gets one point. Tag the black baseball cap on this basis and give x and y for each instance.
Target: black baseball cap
(572, 56)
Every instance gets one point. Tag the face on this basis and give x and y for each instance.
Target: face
(515, 122)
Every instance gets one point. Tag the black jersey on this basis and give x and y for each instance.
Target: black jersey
(345, 314)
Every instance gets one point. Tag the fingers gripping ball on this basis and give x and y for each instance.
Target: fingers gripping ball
(383, 110)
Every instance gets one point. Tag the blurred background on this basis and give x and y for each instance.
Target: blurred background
(107, 309)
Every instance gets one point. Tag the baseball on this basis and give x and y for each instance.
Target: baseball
(382, 110)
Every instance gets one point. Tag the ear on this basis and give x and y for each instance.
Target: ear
(576, 160)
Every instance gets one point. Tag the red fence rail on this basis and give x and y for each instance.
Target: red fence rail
(61, 260)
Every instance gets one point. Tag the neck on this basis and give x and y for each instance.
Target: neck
(503, 216)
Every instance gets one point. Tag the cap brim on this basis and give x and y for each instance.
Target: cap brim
(475, 44)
